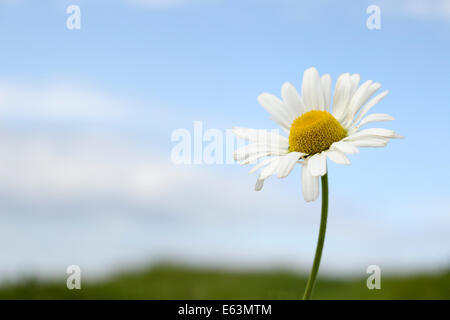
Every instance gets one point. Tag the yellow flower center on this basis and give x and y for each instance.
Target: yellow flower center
(314, 132)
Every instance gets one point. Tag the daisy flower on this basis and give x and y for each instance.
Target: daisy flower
(316, 130)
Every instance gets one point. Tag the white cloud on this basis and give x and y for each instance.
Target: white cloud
(57, 100)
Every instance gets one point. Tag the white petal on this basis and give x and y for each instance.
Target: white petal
(275, 107)
(337, 157)
(370, 142)
(359, 94)
(369, 92)
(260, 165)
(258, 147)
(287, 163)
(262, 136)
(310, 184)
(370, 105)
(376, 132)
(326, 88)
(342, 95)
(254, 149)
(318, 164)
(292, 100)
(375, 117)
(266, 144)
(355, 78)
(344, 147)
(312, 90)
(358, 99)
(252, 158)
(270, 169)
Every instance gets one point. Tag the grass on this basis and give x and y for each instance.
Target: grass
(168, 282)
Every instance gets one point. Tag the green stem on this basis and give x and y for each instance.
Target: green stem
(320, 241)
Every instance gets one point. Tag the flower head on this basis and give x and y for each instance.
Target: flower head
(316, 131)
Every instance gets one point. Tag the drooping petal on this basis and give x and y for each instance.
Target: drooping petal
(312, 94)
(310, 184)
(337, 156)
(256, 156)
(259, 185)
(318, 164)
(260, 165)
(292, 100)
(270, 169)
(287, 163)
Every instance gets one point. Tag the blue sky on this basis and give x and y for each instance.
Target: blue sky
(88, 115)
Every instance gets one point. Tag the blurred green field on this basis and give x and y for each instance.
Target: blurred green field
(168, 282)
